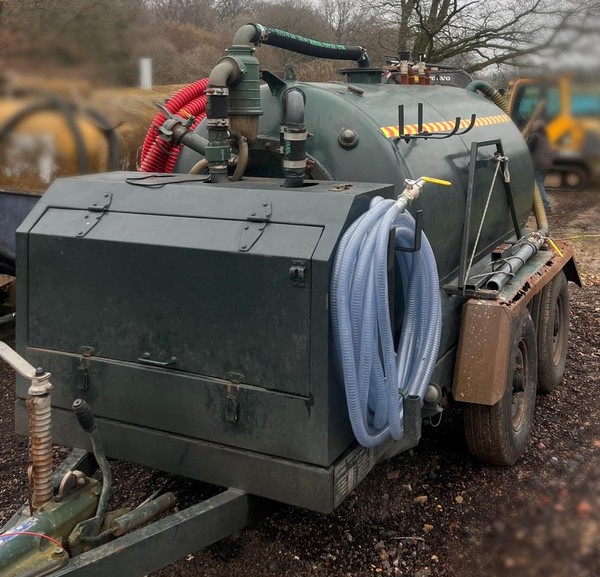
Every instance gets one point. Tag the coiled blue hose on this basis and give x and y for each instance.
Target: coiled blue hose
(375, 375)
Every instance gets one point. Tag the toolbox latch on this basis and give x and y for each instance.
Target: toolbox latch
(298, 273)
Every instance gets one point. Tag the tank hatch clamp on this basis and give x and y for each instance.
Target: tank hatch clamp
(255, 225)
(94, 214)
(424, 130)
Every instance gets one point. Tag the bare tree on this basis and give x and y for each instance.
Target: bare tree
(343, 16)
(479, 33)
(195, 12)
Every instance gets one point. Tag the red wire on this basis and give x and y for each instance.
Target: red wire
(32, 534)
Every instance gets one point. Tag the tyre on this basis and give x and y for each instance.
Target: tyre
(498, 434)
(553, 333)
(575, 179)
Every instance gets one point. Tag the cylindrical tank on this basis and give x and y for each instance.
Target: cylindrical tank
(37, 143)
(40, 146)
(46, 133)
(369, 152)
(353, 130)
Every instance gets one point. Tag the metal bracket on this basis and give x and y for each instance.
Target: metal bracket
(426, 134)
(474, 163)
(255, 224)
(298, 273)
(418, 235)
(97, 210)
(340, 187)
(146, 359)
(84, 367)
(231, 404)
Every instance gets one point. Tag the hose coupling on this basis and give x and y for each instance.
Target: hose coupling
(413, 188)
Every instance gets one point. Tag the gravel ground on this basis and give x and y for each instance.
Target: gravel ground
(431, 512)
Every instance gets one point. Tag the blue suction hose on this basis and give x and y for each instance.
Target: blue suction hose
(376, 376)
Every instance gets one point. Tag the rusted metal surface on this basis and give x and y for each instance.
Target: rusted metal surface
(484, 344)
(41, 449)
(40, 425)
(483, 352)
(142, 514)
(537, 273)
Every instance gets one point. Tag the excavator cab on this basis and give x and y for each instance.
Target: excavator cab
(572, 118)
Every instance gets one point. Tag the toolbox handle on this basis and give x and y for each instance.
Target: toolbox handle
(146, 360)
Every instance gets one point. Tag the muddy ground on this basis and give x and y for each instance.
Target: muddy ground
(432, 512)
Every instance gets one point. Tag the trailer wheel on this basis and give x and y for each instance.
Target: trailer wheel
(498, 434)
(553, 333)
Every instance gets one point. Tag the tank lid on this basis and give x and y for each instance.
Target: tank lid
(363, 75)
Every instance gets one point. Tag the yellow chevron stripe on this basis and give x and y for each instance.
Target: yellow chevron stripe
(445, 126)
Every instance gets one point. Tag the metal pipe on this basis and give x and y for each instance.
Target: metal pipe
(243, 155)
(293, 138)
(222, 75)
(527, 247)
(91, 527)
(142, 514)
(201, 165)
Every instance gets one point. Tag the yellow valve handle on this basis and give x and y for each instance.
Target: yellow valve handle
(555, 248)
(436, 181)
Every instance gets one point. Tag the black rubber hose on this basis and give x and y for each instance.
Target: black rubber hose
(114, 146)
(301, 45)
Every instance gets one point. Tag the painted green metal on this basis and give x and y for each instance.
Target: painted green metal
(54, 519)
(150, 548)
(245, 98)
(194, 320)
(194, 317)
(365, 107)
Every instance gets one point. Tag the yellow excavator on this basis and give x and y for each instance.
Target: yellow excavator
(572, 116)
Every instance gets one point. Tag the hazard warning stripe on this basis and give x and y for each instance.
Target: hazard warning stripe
(444, 126)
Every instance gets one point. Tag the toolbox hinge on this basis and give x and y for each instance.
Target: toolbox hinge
(94, 213)
(255, 224)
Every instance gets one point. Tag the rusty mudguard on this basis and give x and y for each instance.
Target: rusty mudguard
(484, 344)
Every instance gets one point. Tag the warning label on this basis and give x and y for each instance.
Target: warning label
(350, 471)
